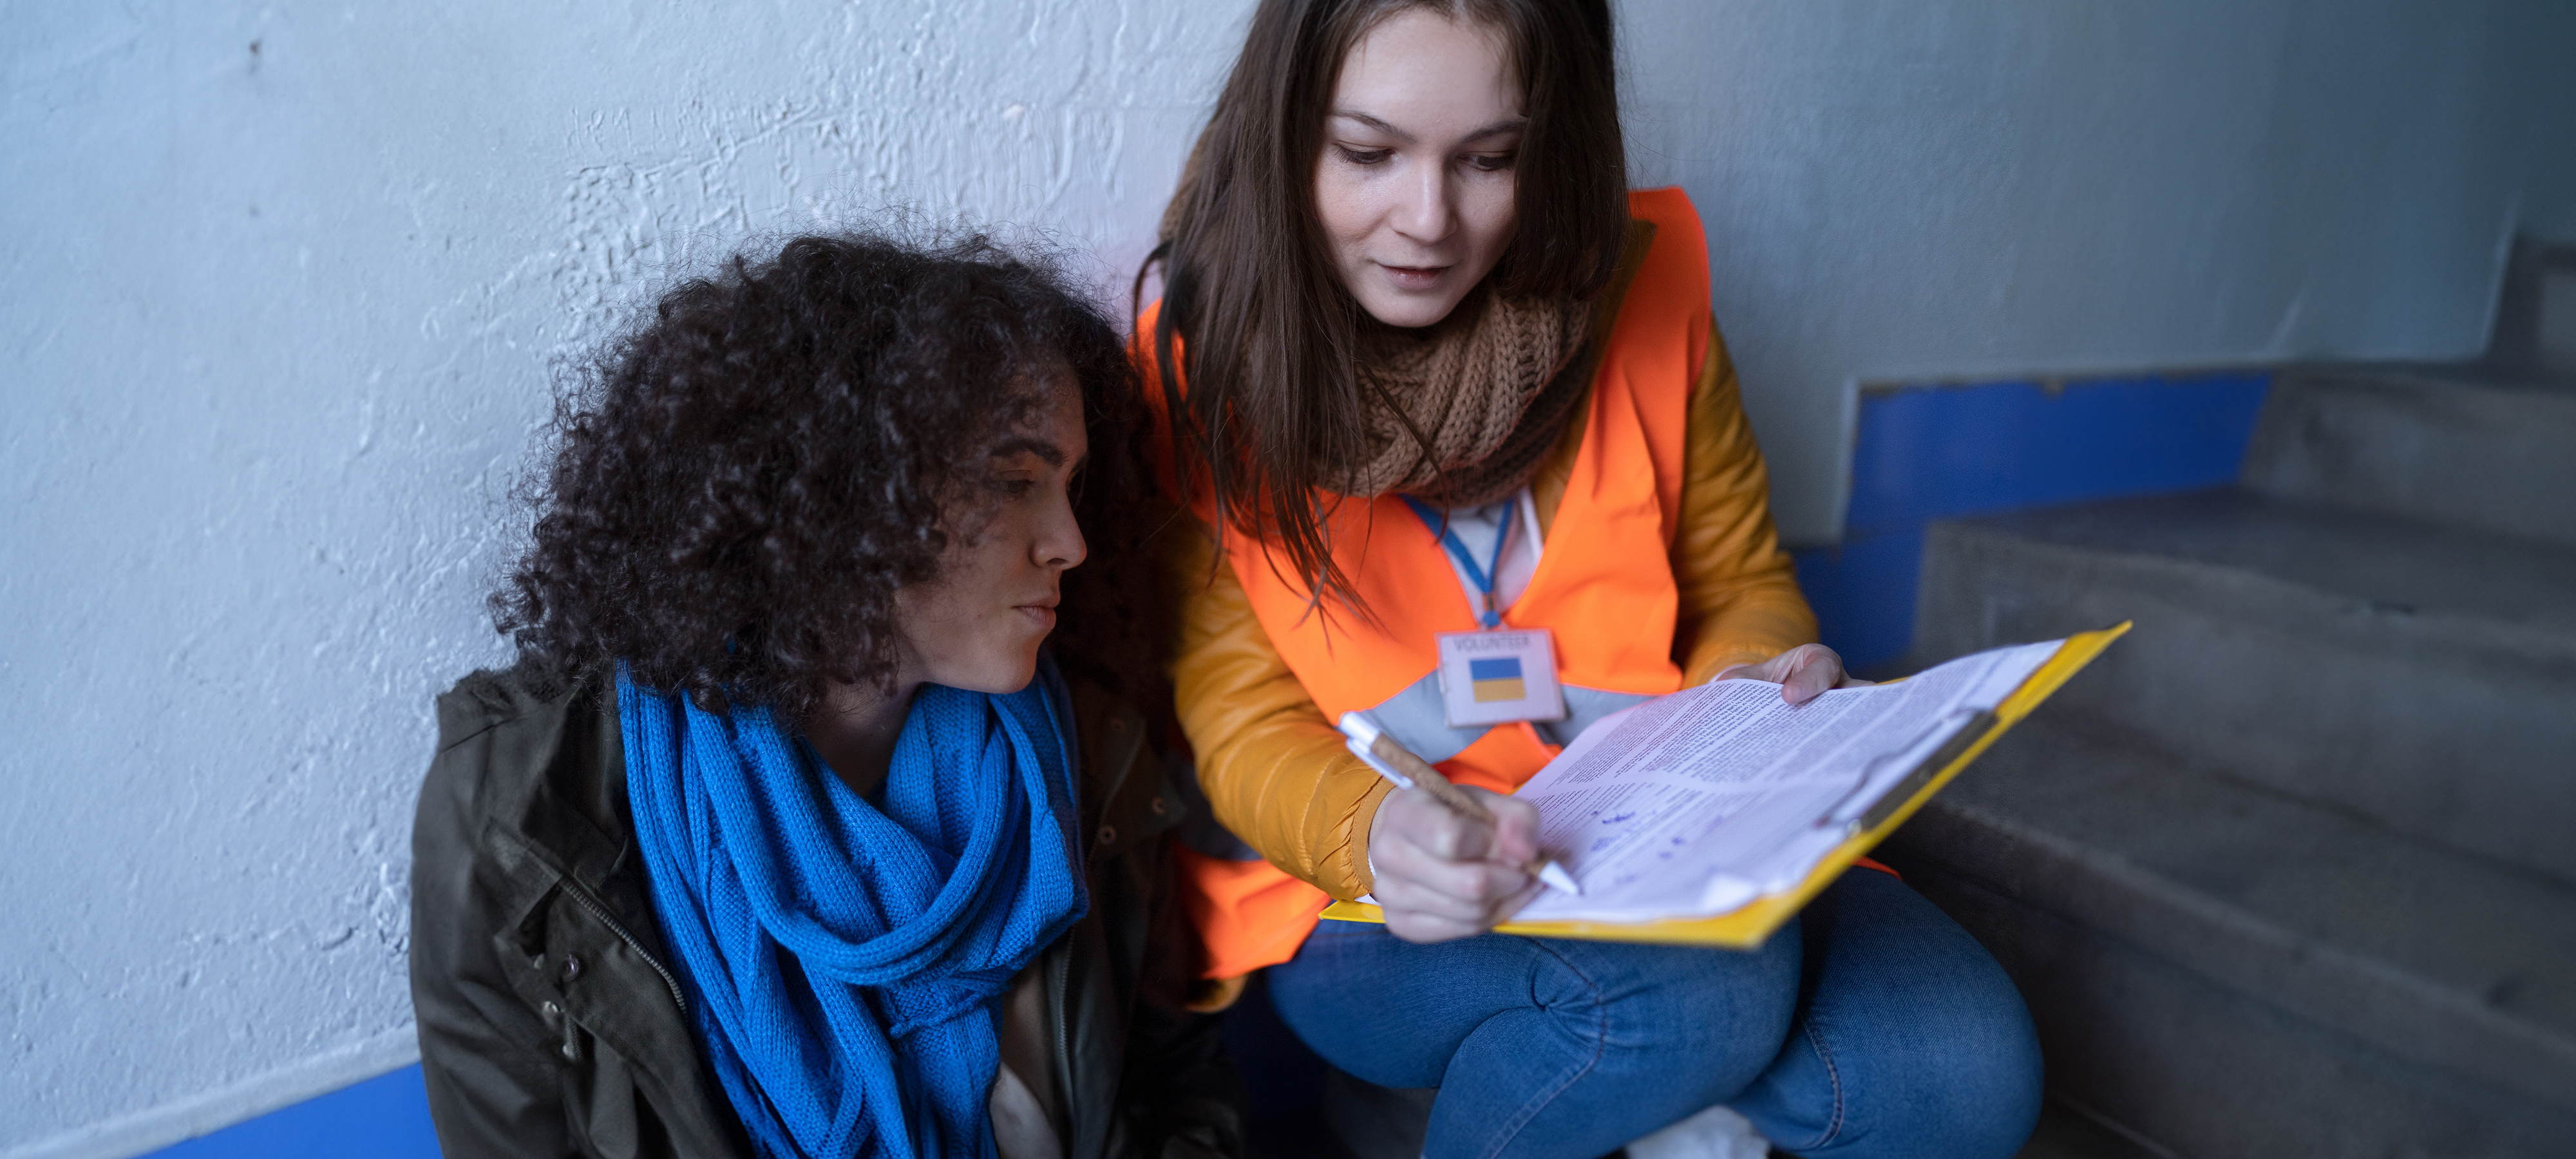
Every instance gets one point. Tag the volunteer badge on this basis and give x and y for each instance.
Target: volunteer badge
(1497, 677)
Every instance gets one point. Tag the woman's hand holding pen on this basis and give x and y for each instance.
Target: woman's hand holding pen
(1442, 876)
(1803, 672)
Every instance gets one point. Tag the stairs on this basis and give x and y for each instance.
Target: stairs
(2292, 869)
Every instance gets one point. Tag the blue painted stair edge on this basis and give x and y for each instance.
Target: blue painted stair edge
(1922, 453)
(386, 1117)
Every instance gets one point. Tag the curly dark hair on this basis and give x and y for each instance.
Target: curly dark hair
(736, 485)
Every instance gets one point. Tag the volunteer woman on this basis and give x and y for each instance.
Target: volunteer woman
(1429, 369)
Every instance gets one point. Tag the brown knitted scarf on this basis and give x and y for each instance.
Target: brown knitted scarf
(1482, 396)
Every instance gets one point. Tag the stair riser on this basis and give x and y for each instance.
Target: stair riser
(2323, 984)
(2412, 720)
(2496, 460)
(2209, 1074)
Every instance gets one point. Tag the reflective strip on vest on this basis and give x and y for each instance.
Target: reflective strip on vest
(1420, 723)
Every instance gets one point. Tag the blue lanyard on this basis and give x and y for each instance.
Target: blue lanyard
(1483, 577)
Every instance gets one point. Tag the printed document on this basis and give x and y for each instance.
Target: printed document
(1693, 804)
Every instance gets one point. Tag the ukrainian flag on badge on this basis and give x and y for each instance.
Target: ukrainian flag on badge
(1498, 678)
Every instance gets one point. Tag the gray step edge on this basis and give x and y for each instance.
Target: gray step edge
(2314, 980)
(2497, 458)
(2360, 704)
(2068, 1129)
(2472, 636)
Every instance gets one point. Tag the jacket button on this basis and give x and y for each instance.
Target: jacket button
(1108, 834)
(1158, 808)
(1117, 724)
(571, 967)
(551, 1012)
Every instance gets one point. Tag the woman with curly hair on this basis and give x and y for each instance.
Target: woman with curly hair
(786, 836)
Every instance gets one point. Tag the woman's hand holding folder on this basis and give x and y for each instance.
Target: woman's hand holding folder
(1803, 673)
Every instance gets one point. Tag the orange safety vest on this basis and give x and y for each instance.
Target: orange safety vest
(1604, 585)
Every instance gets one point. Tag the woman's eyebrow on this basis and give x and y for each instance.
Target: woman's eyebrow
(1496, 129)
(1053, 454)
(1372, 122)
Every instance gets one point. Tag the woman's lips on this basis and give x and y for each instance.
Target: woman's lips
(1414, 277)
(1043, 614)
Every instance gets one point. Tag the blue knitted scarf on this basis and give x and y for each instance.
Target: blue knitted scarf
(842, 959)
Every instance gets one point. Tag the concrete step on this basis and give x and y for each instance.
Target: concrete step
(2066, 1133)
(2224, 971)
(2421, 676)
(2446, 446)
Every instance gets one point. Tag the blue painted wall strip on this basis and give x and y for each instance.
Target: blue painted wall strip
(1928, 453)
(386, 1117)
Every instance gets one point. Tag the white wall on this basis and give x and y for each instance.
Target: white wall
(1910, 190)
(277, 324)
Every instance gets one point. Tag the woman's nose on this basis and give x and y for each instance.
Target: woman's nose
(1059, 542)
(1424, 213)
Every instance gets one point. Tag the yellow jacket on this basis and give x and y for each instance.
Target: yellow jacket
(1274, 769)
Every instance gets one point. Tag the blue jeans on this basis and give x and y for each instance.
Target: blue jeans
(1873, 1026)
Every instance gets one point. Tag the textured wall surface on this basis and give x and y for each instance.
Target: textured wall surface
(283, 282)
(1918, 191)
(279, 296)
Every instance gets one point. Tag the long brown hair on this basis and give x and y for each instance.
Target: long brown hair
(1250, 292)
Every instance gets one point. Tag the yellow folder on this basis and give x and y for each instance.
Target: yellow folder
(1745, 927)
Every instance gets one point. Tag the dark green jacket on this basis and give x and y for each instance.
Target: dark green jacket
(551, 1023)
